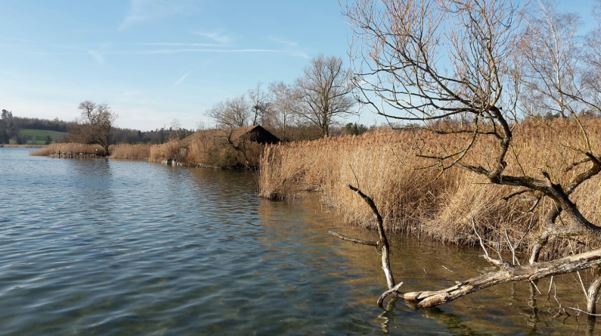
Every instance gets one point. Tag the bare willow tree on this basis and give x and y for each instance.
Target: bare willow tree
(324, 92)
(550, 55)
(284, 106)
(95, 126)
(469, 61)
(260, 106)
(592, 59)
(232, 113)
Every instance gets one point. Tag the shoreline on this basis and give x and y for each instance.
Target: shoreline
(21, 146)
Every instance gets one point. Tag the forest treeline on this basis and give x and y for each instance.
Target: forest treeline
(11, 127)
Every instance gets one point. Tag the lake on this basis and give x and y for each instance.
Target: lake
(97, 247)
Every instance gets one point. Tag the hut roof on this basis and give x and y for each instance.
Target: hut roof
(255, 133)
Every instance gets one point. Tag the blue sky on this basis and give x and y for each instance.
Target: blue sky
(155, 61)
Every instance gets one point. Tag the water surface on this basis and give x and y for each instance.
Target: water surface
(96, 247)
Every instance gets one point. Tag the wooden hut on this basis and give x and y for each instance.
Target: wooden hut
(255, 133)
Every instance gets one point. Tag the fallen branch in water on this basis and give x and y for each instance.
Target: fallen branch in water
(381, 245)
(539, 270)
(354, 240)
(506, 272)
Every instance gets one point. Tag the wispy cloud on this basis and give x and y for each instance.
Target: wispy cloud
(100, 56)
(181, 79)
(168, 51)
(97, 56)
(292, 47)
(284, 42)
(147, 10)
(101, 52)
(215, 36)
(179, 44)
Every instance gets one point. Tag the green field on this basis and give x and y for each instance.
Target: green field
(41, 137)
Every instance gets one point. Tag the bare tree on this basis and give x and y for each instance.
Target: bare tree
(261, 106)
(552, 64)
(231, 113)
(95, 126)
(324, 92)
(431, 60)
(284, 106)
(592, 60)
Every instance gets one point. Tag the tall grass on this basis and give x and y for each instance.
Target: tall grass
(208, 148)
(130, 152)
(170, 150)
(414, 196)
(204, 148)
(69, 149)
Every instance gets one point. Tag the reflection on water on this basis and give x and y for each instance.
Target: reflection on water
(97, 247)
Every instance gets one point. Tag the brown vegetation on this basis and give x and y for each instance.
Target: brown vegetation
(70, 149)
(502, 69)
(411, 193)
(130, 152)
(237, 148)
(95, 126)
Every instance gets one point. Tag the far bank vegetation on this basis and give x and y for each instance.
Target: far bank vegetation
(235, 148)
(309, 108)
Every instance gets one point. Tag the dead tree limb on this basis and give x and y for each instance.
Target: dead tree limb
(383, 241)
(506, 273)
(381, 245)
(427, 299)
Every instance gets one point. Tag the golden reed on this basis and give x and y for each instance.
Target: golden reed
(413, 195)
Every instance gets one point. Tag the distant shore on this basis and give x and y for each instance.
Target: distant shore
(21, 146)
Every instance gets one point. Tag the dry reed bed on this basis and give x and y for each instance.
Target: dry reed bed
(139, 152)
(412, 194)
(208, 148)
(69, 149)
(168, 150)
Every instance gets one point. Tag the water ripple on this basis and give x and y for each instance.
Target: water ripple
(124, 248)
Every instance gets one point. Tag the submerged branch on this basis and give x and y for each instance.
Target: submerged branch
(384, 246)
(354, 240)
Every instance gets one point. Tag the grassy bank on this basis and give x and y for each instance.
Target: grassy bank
(412, 194)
